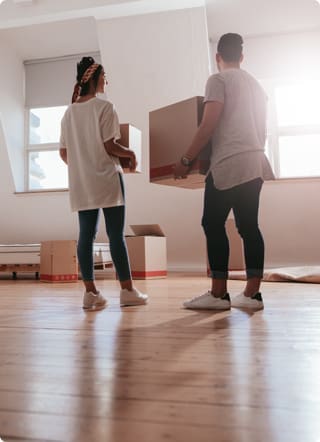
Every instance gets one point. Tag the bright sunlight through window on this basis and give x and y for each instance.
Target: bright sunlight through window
(45, 167)
(294, 129)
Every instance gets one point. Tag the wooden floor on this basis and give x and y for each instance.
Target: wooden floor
(158, 372)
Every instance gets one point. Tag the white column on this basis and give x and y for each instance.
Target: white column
(151, 61)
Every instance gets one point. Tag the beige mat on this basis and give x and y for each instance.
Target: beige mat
(294, 274)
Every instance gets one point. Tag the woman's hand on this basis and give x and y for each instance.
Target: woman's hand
(133, 160)
(115, 149)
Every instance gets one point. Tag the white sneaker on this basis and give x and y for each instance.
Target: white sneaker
(254, 302)
(208, 302)
(93, 301)
(132, 297)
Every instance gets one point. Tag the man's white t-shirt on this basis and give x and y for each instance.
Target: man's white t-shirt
(94, 180)
(239, 138)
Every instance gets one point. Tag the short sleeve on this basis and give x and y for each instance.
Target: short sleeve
(215, 89)
(109, 124)
(63, 133)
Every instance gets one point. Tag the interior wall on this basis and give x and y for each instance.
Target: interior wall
(152, 61)
(283, 56)
(290, 214)
(12, 113)
(158, 59)
(24, 218)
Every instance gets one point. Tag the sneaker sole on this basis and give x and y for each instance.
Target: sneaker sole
(247, 307)
(207, 308)
(95, 307)
(132, 303)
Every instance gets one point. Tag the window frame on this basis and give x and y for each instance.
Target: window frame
(275, 131)
(41, 147)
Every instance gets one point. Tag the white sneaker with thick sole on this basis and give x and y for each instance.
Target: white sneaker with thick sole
(93, 301)
(254, 302)
(208, 302)
(132, 297)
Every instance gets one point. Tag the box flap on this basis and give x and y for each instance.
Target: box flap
(147, 230)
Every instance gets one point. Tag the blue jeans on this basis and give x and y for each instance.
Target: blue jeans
(244, 201)
(114, 220)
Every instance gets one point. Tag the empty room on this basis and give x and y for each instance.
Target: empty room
(159, 222)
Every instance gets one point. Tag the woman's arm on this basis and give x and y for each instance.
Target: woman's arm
(63, 154)
(115, 149)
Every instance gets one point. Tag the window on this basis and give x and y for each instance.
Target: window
(48, 88)
(293, 144)
(45, 169)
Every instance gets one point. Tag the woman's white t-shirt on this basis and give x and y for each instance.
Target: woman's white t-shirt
(94, 180)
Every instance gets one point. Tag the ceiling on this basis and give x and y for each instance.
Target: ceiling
(38, 28)
(258, 17)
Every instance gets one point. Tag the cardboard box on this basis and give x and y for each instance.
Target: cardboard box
(131, 137)
(147, 252)
(58, 261)
(172, 129)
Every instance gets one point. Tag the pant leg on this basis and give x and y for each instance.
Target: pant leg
(88, 222)
(115, 220)
(217, 205)
(246, 208)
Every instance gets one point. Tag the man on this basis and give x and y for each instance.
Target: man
(235, 117)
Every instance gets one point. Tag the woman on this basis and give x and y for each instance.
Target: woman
(88, 145)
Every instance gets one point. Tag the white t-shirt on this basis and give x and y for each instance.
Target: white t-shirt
(94, 180)
(239, 138)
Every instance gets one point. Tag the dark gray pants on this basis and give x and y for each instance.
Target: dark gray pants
(244, 201)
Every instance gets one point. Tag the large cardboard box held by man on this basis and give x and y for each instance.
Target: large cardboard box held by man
(147, 252)
(172, 129)
(58, 261)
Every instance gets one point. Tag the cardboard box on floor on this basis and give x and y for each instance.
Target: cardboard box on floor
(172, 129)
(131, 137)
(147, 252)
(58, 261)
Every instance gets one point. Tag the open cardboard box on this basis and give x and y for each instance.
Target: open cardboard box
(172, 129)
(130, 137)
(147, 252)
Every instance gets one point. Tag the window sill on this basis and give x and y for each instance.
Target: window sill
(41, 191)
(294, 180)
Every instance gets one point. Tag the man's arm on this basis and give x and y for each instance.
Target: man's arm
(63, 154)
(211, 115)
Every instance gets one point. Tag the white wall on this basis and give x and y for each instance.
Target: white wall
(23, 218)
(290, 211)
(283, 56)
(151, 61)
(12, 112)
